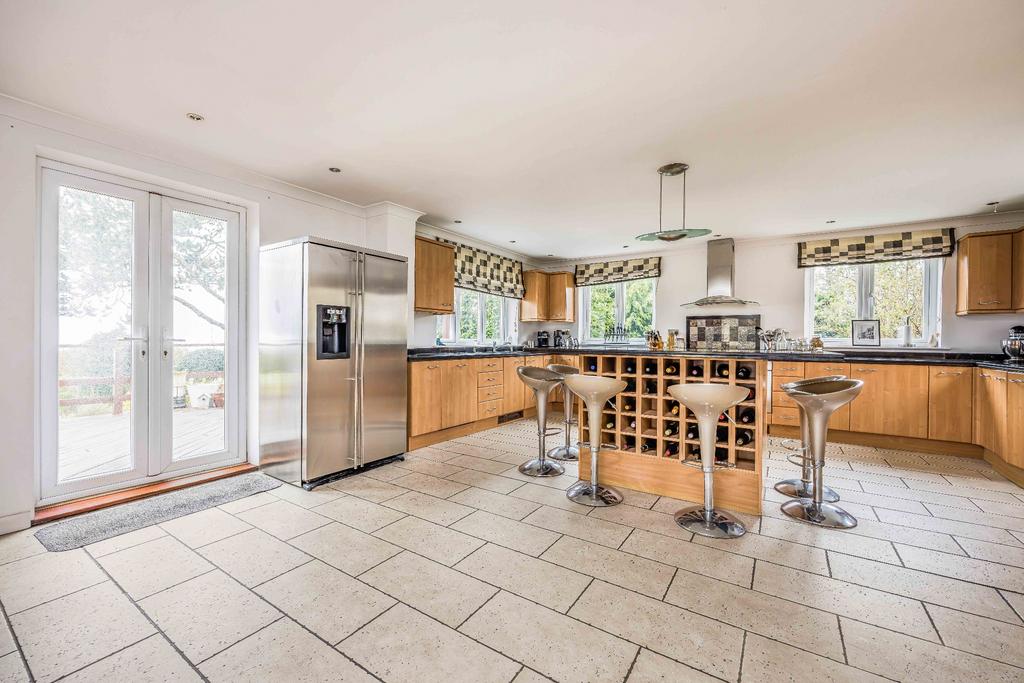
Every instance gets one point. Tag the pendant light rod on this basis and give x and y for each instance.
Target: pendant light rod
(673, 169)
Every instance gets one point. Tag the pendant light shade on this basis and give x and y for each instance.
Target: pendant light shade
(663, 235)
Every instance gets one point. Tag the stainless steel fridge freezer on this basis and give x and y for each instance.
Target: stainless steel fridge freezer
(332, 348)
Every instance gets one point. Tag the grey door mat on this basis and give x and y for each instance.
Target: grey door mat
(119, 519)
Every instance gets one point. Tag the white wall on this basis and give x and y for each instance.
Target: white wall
(274, 210)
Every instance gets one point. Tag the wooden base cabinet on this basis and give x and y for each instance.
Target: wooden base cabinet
(459, 382)
(841, 418)
(894, 400)
(425, 395)
(950, 404)
(514, 396)
(990, 395)
(1014, 452)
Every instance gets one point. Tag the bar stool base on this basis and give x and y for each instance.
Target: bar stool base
(541, 468)
(721, 524)
(825, 514)
(565, 453)
(584, 493)
(798, 488)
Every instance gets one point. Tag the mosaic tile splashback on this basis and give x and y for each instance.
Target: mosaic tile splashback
(722, 332)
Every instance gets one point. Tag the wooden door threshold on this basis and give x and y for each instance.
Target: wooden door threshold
(50, 513)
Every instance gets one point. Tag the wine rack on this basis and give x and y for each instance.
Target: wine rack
(645, 414)
(645, 433)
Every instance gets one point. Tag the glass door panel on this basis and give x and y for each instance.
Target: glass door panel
(95, 429)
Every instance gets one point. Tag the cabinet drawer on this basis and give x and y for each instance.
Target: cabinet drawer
(826, 369)
(488, 379)
(488, 393)
(781, 399)
(779, 380)
(488, 409)
(490, 364)
(786, 416)
(787, 369)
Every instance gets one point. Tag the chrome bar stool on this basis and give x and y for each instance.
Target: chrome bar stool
(804, 486)
(567, 452)
(707, 402)
(818, 400)
(541, 381)
(594, 391)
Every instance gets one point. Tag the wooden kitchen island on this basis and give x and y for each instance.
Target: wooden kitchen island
(644, 434)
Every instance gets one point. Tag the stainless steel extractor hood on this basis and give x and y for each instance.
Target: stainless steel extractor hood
(721, 275)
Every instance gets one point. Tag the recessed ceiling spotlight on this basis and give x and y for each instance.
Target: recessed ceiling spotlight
(456, 221)
(832, 221)
(195, 117)
(511, 241)
(625, 246)
(718, 235)
(550, 254)
(334, 169)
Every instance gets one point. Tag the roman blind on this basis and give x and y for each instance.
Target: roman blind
(896, 246)
(483, 271)
(605, 272)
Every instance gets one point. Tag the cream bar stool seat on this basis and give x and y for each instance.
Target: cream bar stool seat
(567, 452)
(594, 391)
(818, 400)
(541, 381)
(707, 402)
(804, 486)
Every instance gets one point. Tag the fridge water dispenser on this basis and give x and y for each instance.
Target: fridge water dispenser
(332, 324)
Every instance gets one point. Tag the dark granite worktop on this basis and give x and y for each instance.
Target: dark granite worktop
(894, 356)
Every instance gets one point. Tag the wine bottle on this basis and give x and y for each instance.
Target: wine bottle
(645, 446)
(632, 424)
(628, 443)
(651, 387)
(650, 369)
(630, 367)
(743, 372)
(743, 437)
(747, 416)
(675, 409)
(671, 450)
(722, 435)
(630, 386)
(692, 434)
(723, 418)
(694, 450)
(671, 369)
(696, 370)
(670, 430)
(721, 454)
(722, 370)
(592, 367)
(627, 406)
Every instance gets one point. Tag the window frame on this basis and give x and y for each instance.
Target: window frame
(931, 301)
(620, 308)
(508, 323)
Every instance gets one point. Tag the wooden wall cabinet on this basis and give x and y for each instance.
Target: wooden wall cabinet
(425, 395)
(435, 277)
(549, 297)
(1018, 271)
(985, 274)
(894, 400)
(951, 404)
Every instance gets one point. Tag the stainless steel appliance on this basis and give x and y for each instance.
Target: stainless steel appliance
(332, 348)
(1013, 346)
(543, 339)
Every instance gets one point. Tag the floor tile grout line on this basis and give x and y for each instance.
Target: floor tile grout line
(280, 615)
(842, 639)
(108, 656)
(17, 643)
(127, 547)
(151, 621)
(1010, 605)
(931, 620)
(266, 581)
(629, 671)
(743, 656)
(47, 602)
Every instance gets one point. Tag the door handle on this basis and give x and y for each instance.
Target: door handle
(944, 373)
(133, 339)
(991, 301)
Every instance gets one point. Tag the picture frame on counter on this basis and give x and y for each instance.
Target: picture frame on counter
(865, 333)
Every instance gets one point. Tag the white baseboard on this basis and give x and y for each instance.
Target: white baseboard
(15, 522)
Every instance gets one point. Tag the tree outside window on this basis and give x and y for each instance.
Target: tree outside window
(627, 304)
(478, 319)
(890, 291)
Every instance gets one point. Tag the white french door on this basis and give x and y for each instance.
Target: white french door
(140, 329)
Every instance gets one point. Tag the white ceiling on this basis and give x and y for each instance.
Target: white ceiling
(544, 121)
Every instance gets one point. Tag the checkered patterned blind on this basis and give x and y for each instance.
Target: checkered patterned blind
(482, 271)
(897, 246)
(617, 271)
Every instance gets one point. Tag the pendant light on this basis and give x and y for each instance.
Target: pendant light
(663, 235)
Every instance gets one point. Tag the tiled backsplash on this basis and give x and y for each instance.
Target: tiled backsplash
(722, 332)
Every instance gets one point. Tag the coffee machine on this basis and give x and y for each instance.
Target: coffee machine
(543, 339)
(1013, 347)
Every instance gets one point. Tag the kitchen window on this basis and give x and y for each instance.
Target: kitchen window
(626, 304)
(479, 319)
(889, 291)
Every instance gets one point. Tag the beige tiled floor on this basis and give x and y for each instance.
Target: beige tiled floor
(451, 566)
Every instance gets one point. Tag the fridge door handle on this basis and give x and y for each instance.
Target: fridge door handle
(361, 288)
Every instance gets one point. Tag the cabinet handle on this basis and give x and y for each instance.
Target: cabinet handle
(460, 365)
(433, 367)
(835, 369)
(947, 372)
(489, 379)
(867, 370)
(992, 301)
(999, 379)
(1016, 381)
